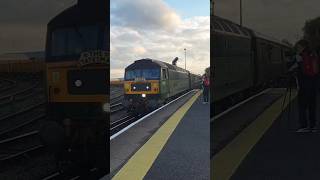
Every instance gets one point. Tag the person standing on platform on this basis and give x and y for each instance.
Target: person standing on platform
(205, 86)
(307, 75)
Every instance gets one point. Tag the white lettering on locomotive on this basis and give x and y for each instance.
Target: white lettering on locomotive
(94, 57)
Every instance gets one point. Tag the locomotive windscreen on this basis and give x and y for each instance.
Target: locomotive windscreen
(147, 74)
(74, 40)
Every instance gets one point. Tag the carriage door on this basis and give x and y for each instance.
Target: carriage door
(164, 84)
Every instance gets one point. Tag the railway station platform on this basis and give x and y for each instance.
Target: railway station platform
(173, 143)
(268, 148)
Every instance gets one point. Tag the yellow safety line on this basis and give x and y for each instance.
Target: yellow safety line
(140, 163)
(225, 163)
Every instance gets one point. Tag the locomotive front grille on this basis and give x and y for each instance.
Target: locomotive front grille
(87, 82)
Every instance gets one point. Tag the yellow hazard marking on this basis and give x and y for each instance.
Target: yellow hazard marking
(140, 163)
(225, 163)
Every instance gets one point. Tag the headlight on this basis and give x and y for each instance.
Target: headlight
(78, 83)
(143, 95)
(106, 107)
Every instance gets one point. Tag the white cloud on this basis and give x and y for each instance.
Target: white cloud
(144, 14)
(136, 36)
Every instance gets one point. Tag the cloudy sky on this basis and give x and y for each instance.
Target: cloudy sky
(283, 19)
(23, 23)
(159, 29)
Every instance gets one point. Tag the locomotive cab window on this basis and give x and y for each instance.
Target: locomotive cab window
(72, 41)
(148, 74)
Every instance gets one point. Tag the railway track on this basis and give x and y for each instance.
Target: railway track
(60, 175)
(6, 84)
(20, 145)
(116, 99)
(22, 112)
(116, 104)
(18, 129)
(121, 123)
(16, 85)
(21, 118)
(116, 108)
(18, 134)
(18, 95)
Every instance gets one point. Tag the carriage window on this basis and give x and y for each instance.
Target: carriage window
(164, 74)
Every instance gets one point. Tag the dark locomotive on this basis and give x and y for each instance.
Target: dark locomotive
(77, 87)
(150, 83)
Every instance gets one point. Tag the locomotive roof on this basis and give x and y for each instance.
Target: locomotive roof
(152, 63)
(85, 11)
(269, 38)
(228, 27)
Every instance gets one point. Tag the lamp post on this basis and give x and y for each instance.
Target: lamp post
(212, 7)
(185, 58)
(240, 12)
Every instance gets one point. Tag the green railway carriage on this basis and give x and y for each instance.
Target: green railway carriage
(232, 59)
(149, 83)
(195, 81)
(244, 61)
(269, 57)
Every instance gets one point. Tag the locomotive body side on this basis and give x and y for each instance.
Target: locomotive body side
(269, 59)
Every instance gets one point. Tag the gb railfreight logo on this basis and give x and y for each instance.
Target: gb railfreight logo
(94, 57)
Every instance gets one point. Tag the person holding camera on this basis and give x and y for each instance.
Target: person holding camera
(307, 71)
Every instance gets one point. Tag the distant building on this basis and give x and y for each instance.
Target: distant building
(37, 55)
(116, 79)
